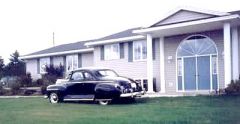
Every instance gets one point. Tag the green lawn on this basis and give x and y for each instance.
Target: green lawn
(180, 110)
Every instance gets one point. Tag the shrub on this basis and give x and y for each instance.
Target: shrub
(26, 80)
(15, 88)
(53, 73)
(55, 70)
(233, 88)
(44, 89)
(3, 91)
(38, 82)
(29, 92)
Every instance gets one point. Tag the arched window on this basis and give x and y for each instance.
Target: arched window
(197, 64)
(196, 45)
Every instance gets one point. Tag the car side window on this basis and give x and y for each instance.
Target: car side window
(87, 76)
(76, 76)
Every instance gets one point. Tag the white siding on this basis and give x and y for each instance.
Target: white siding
(135, 69)
(182, 16)
(87, 59)
(31, 67)
(239, 47)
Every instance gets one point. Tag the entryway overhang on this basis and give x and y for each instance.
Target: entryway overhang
(190, 27)
(220, 22)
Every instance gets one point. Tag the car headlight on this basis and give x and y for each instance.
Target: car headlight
(117, 86)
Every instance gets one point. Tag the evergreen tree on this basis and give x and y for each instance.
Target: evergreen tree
(1, 67)
(15, 67)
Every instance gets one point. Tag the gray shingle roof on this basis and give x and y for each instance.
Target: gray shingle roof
(62, 48)
(80, 45)
(235, 12)
(125, 33)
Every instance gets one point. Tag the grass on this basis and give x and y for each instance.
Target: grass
(180, 110)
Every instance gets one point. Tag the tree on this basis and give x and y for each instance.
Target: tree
(15, 67)
(1, 67)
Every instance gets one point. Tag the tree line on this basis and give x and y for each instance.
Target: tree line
(16, 66)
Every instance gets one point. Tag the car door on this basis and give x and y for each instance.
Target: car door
(89, 83)
(75, 86)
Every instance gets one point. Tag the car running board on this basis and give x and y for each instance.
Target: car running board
(78, 99)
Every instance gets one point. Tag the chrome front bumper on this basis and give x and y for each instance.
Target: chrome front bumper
(133, 94)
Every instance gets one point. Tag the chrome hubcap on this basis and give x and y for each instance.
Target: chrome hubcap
(103, 102)
(53, 98)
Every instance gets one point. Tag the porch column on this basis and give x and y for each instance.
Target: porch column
(162, 68)
(227, 53)
(235, 62)
(149, 63)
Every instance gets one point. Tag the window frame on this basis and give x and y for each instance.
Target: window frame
(74, 58)
(141, 43)
(211, 55)
(84, 76)
(109, 52)
(46, 61)
(78, 72)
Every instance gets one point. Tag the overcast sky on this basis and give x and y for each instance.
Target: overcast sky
(27, 25)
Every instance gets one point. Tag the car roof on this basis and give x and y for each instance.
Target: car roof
(92, 68)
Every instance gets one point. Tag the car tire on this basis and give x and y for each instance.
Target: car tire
(104, 102)
(54, 98)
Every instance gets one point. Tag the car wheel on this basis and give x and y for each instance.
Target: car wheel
(104, 102)
(54, 98)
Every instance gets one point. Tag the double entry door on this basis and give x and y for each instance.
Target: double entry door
(197, 73)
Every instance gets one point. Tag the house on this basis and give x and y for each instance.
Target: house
(189, 51)
(71, 56)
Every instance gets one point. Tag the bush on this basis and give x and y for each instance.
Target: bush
(55, 70)
(29, 92)
(38, 82)
(15, 88)
(26, 80)
(233, 88)
(53, 73)
(3, 91)
(44, 89)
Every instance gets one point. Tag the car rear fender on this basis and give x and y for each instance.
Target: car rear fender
(107, 91)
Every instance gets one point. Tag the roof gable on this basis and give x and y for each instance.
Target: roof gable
(187, 14)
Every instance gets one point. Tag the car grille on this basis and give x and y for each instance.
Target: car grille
(125, 84)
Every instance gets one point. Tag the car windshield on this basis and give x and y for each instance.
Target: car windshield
(106, 73)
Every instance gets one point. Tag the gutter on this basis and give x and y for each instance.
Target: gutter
(171, 26)
(124, 39)
(57, 53)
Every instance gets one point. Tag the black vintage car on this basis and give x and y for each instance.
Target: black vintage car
(91, 84)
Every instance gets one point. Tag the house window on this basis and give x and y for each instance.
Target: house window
(214, 64)
(179, 67)
(140, 50)
(57, 61)
(72, 62)
(111, 51)
(44, 62)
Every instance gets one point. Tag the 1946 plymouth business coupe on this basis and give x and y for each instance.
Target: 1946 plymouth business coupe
(91, 84)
